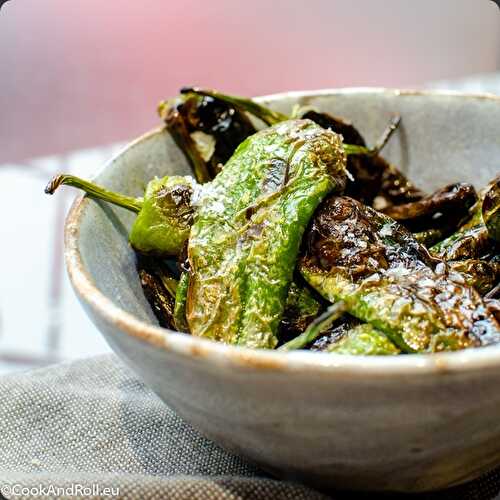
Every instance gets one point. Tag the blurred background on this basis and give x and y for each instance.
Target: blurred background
(77, 79)
(78, 74)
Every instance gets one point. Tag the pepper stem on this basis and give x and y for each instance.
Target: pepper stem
(267, 115)
(95, 191)
(316, 328)
(351, 149)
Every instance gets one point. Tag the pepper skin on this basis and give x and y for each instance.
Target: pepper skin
(206, 129)
(357, 255)
(474, 238)
(248, 227)
(363, 340)
(164, 215)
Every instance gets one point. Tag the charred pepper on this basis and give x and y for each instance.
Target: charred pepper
(473, 238)
(206, 129)
(164, 214)
(159, 286)
(446, 207)
(373, 264)
(248, 227)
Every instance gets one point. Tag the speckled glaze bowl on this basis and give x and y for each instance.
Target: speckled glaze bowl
(407, 423)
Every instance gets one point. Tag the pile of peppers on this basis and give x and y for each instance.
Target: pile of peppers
(298, 235)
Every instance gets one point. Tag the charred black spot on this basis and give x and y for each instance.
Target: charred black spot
(336, 333)
(162, 302)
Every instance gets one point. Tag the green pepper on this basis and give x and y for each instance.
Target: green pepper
(164, 214)
(301, 308)
(474, 238)
(206, 129)
(364, 340)
(163, 224)
(469, 242)
(344, 338)
(334, 332)
(374, 266)
(317, 328)
(161, 229)
(490, 209)
(483, 275)
(180, 321)
(248, 227)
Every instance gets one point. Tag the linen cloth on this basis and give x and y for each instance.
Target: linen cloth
(91, 423)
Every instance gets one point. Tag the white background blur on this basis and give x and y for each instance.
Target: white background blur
(76, 74)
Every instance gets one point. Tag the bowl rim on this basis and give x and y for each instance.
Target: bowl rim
(235, 357)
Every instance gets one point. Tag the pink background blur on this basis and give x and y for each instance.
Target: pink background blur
(82, 73)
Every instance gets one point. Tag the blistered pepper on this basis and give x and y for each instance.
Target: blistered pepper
(363, 340)
(248, 227)
(161, 229)
(474, 238)
(164, 214)
(385, 278)
(206, 129)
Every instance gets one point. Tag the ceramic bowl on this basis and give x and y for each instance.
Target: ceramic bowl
(407, 423)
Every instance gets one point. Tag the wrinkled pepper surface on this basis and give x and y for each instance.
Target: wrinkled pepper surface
(363, 340)
(474, 238)
(206, 129)
(248, 228)
(385, 278)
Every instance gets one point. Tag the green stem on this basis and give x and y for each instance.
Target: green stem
(267, 115)
(95, 191)
(316, 328)
(351, 149)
